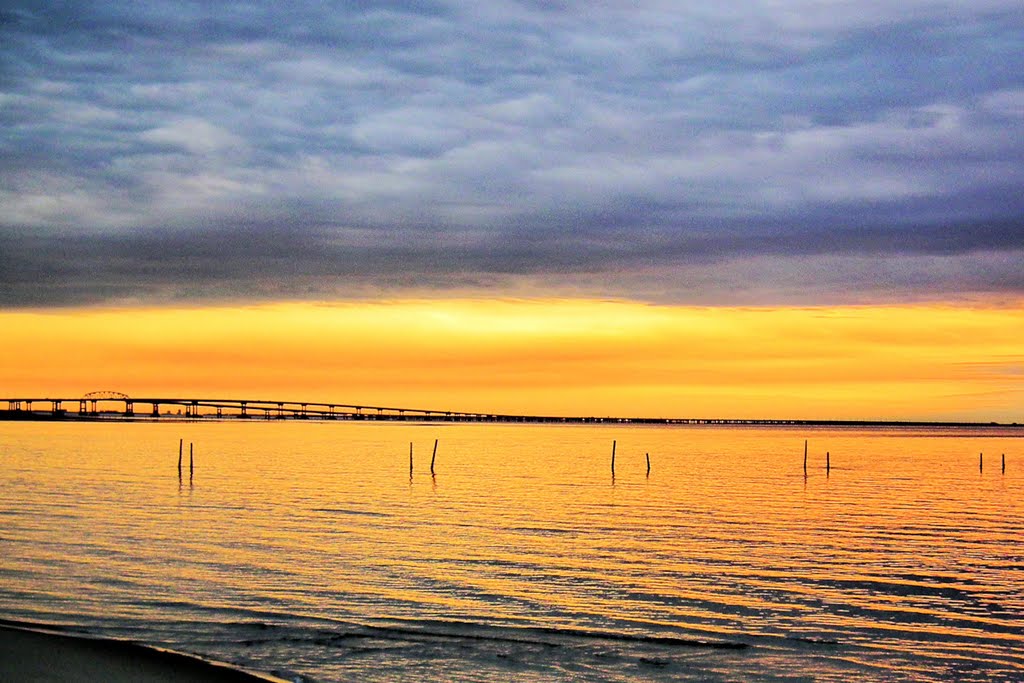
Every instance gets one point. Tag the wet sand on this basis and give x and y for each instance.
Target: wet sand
(49, 657)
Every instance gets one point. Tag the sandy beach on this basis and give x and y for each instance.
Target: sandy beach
(42, 656)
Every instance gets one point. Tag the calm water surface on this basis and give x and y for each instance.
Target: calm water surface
(308, 549)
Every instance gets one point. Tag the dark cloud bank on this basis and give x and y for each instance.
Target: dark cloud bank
(736, 153)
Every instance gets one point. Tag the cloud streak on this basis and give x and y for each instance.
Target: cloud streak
(840, 151)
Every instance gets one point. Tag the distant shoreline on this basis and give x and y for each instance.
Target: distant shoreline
(108, 417)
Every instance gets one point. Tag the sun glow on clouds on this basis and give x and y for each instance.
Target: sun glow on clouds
(568, 357)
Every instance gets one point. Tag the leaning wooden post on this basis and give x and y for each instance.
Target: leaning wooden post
(805, 457)
(613, 458)
(648, 464)
(180, 444)
(432, 457)
(828, 462)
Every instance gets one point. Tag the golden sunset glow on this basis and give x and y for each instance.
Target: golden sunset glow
(560, 357)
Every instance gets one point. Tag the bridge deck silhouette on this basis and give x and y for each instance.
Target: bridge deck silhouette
(101, 403)
(114, 405)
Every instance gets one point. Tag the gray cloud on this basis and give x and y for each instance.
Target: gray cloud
(166, 151)
(248, 262)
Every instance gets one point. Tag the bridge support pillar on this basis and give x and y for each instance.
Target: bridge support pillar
(243, 410)
(156, 410)
(129, 409)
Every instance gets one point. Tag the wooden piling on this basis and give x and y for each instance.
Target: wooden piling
(981, 462)
(191, 463)
(433, 457)
(613, 458)
(410, 458)
(1004, 463)
(648, 464)
(828, 462)
(805, 457)
(181, 443)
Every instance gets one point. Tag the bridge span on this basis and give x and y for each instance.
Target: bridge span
(113, 405)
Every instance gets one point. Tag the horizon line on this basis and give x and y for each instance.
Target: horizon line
(316, 410)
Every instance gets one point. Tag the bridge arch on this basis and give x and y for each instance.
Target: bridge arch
(105, 395)
(89, 403)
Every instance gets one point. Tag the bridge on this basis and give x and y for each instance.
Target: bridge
(114, 405)
(117, 405)
(98, 404)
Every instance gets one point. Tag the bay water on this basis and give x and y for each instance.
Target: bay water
(308, 549)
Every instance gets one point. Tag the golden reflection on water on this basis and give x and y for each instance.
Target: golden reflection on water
(902, 547)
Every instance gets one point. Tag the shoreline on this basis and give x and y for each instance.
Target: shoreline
(36, 652)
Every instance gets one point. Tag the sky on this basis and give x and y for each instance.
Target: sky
(341, 172)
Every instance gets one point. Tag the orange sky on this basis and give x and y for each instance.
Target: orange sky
(564, 357)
